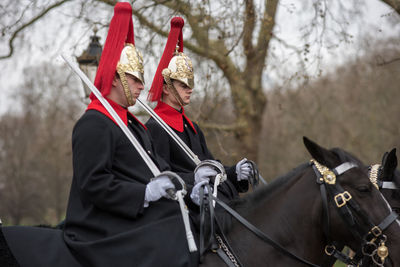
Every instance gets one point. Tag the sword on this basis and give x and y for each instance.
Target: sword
(152, 166)
(184, 147)
(171, 132)
(219, 178)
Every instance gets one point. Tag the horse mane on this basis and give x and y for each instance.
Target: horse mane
(251, 200)
(245, 204)
(345, 156)
(396, 180)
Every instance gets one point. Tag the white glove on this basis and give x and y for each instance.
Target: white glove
(203, 174)
(157, 189)
(195, 195)
(243, 170)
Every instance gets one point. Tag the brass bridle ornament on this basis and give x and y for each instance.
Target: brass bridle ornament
(373, 246)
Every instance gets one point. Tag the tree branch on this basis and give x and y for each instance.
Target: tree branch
(267, 25)
(211, 49)
(144, 21)
(255, 64)
(219, 127)
(383, 62)
(248, 28)
(109, 2)
(32, 21)
(395, 4)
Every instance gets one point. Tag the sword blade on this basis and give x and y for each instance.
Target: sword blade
(171, 132)
(146, 158)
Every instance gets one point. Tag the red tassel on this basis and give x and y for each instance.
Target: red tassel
(119, 33)
(175, 38)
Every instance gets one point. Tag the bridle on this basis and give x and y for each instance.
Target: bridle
(373, 239)
(374, 174)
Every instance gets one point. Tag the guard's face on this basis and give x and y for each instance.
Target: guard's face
(117, 94)
(135, 86)
(183, 90)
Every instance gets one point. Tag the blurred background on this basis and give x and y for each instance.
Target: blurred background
(267, 73)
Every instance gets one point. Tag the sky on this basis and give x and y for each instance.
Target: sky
(47, 39)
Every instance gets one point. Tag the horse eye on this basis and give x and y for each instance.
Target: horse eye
(363, 188)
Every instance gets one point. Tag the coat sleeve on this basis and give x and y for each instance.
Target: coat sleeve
(241, 186)
(94, 144)
(161, 143)
(160, 140)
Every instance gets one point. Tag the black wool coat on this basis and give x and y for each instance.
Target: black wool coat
(194, 138)
(106, 224)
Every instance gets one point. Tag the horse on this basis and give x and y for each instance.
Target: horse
(291, 210)
(388, 179)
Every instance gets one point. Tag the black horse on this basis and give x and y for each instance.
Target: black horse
(291, 211)
(388, 179)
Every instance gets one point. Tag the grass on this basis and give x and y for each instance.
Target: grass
(339, 264)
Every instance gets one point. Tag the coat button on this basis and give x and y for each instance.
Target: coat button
(130, 121)
(148, 152)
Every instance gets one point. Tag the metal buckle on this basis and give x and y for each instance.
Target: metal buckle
(329, 250)
(376, 231)
(342, 198)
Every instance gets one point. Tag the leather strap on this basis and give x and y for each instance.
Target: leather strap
(255, 177)
(387, 185)
(225, 258)
(388, 220)
(260, 234)
(344, 167)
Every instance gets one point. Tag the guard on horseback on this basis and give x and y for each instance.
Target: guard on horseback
(119, 213)
(172, 87)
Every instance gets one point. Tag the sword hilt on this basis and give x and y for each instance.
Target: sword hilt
(173, 176)
(215, 165)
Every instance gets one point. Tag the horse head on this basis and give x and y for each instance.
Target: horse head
(359, 215)
(299, 217)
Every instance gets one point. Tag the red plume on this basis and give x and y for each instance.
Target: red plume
(119, 33)
(175, 38)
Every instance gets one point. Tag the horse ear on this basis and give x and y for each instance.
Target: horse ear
(320, 154)
(389, 165)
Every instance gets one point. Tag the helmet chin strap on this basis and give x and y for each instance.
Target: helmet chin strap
(173, 90)
(127, 92)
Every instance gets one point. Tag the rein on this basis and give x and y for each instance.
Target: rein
(326, 178)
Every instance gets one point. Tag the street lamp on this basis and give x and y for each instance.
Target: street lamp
(89, 60)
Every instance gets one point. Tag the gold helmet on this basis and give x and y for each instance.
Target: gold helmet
(173, 65)
(131, 62)
(119, 53)
(180, 68)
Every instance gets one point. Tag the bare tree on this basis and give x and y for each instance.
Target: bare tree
(234, 36)
(354, 107)
(395, 4)
(36, 167)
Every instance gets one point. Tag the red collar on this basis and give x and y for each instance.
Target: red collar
(121, 111)
(172, 117)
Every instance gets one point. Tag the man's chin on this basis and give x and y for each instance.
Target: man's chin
(133, 102)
